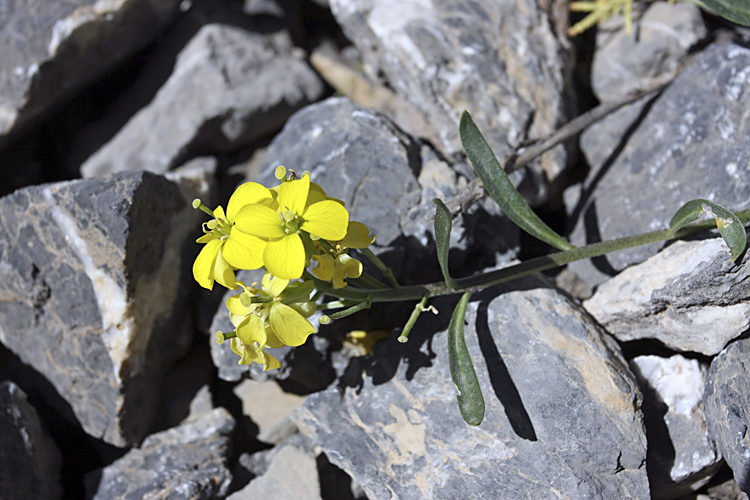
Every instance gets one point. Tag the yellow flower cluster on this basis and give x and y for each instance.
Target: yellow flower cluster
(281, 230)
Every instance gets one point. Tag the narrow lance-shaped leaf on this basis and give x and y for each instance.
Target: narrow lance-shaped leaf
(443, 225)
(501, 189)
(730, 226)
(470, 399)
(734, 10)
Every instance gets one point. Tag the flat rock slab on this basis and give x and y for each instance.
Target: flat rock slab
(91, 295)
(690, 144)
(30, 460)
(189, 461)
(50, 49)
(690, 296)
(727, 408)
(550, 377)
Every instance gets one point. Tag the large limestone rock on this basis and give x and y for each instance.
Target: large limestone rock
(51, 49)
(92, 294)
(562, 415)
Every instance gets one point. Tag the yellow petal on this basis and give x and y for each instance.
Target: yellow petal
(293, 195)
(203, 267)
(237, 307)
(324, 269)
(289, 325)
(219, 213)
(272, 340)
(244, 251)
(326, 219)
(269, 362)
(224, 273)
(317, 194)
(207, 237)
(260, 221)
(346, 266)
(246, 194)
(357, 236)
(252, 330)
(285, 257)
(273, 285)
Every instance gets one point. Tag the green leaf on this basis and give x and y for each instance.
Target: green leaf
(737, 11)
(470, 399)
(730, 226)
(443, 225)
(499, 187)
(297, 291)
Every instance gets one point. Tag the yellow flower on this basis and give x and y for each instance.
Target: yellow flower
(285, 255)
(335, 264)
(252, 353)
(262, 317)
(226, 248)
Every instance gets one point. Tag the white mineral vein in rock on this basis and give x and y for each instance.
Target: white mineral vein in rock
(678, 381)
(117, 323)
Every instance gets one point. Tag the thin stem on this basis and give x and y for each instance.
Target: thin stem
(367, 281)
(418, 309)
(381, 266)
(479, 282)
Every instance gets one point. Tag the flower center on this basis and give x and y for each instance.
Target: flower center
(219, 227)
(290, 221)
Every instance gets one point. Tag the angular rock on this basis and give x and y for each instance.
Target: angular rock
(549, 376)
(92, 294)
(681, 456)
(387, 182)
(51, 49)
(240, 86)
(275, 482)
(626, 62)
(30, 460)
(690, 297)
(450, 56)
(189, 461)
(727, 406)
(690, 144)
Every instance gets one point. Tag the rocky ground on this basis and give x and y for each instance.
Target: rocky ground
(620, 377)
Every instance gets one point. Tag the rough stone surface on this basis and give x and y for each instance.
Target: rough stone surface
(91, 295)
(189, 461)
(240, 86)
(549, 376)
(681, 456)
(29, 461)
(387, 181)
(691, 144)
(501, 61)
(275, 483)
(690, 296)
(626, 62)
(50, 49)
(726, 403)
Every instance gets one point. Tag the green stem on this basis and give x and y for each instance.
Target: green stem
(367, 281)
(418, 309)
(479, 282)
(381, 266)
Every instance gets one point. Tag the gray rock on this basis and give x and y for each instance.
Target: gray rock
(681, 456)
(690, 144)
(189, 461)
(51, 49)
(450, 56)
(240, 86)
(275, 482)
(726, 403)
(30, 461)
(92, 294)
(550, 376)
(690, 296)
(626, 62)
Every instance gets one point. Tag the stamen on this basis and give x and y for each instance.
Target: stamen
(198, 204)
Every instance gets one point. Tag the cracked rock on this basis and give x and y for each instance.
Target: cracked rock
(690, 296)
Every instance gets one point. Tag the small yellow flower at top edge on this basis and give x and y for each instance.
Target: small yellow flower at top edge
(227, 249)
(336, 264)
(284, 255)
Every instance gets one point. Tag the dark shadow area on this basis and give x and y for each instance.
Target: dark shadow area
(591, 225)
(502, 383)
(81, 453)
(335, 484)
